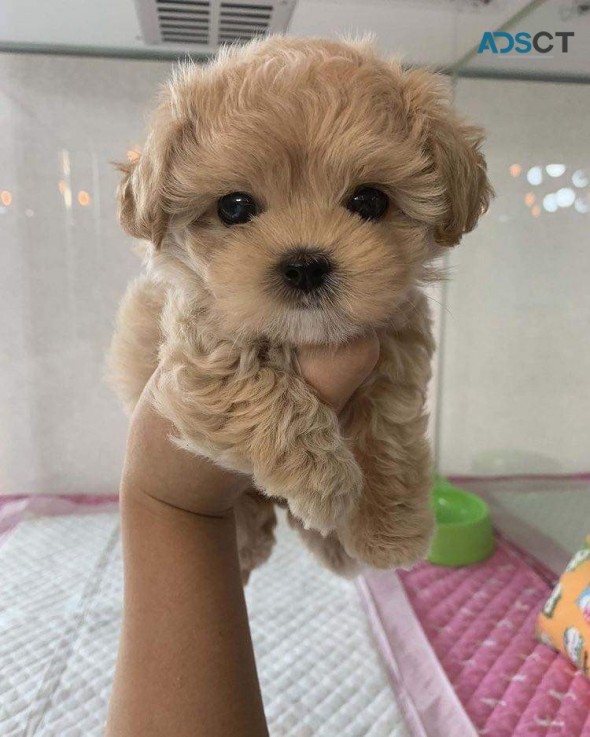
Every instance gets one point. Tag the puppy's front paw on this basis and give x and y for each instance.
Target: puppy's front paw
(320, 491)
(328, 488)
(396, 538)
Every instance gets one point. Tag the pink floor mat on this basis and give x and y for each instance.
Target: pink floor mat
(460, 648)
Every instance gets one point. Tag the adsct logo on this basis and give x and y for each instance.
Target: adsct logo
(501, 42)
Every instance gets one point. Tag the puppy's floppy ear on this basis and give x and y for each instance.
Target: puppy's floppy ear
(142, 191)
(454, 149)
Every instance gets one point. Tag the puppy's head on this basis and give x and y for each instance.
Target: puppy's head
(302, 186)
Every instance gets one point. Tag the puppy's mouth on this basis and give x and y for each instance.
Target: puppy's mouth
(317, 301)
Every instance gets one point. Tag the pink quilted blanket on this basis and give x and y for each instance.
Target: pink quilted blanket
(460, 649)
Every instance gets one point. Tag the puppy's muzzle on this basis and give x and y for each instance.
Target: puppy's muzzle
(305, 272)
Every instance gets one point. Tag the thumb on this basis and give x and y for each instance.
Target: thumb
(336, 371)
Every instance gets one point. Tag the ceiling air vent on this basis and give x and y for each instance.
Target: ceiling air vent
(210, 23)
(183, 21)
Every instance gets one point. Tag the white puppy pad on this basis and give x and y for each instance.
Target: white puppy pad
(60, 608)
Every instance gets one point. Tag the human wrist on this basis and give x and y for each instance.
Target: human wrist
(134, 496)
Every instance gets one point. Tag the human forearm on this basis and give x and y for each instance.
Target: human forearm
(185, 664)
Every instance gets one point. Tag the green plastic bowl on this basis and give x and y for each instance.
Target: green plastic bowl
(463, 527)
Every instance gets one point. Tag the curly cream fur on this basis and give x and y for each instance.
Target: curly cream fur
(299, 124)
(133, 356)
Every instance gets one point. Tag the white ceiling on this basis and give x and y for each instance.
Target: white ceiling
(436, 32)
(422, 31)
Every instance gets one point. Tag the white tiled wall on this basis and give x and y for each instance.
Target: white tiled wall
(62, 267)
(515, 394)
(515, 386)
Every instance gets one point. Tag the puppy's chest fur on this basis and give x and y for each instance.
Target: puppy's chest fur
(189, 335)
(188, 329)
(224, 379)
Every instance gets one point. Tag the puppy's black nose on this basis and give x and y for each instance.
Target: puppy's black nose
(306, 272)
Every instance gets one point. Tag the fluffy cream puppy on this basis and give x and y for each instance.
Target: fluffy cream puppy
(297, 191)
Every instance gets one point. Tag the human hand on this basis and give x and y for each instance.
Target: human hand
(156, 467)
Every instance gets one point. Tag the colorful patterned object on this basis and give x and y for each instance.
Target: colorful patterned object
(564, 623)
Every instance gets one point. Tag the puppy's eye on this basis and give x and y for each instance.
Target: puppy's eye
(236, 208)
(368, 202)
